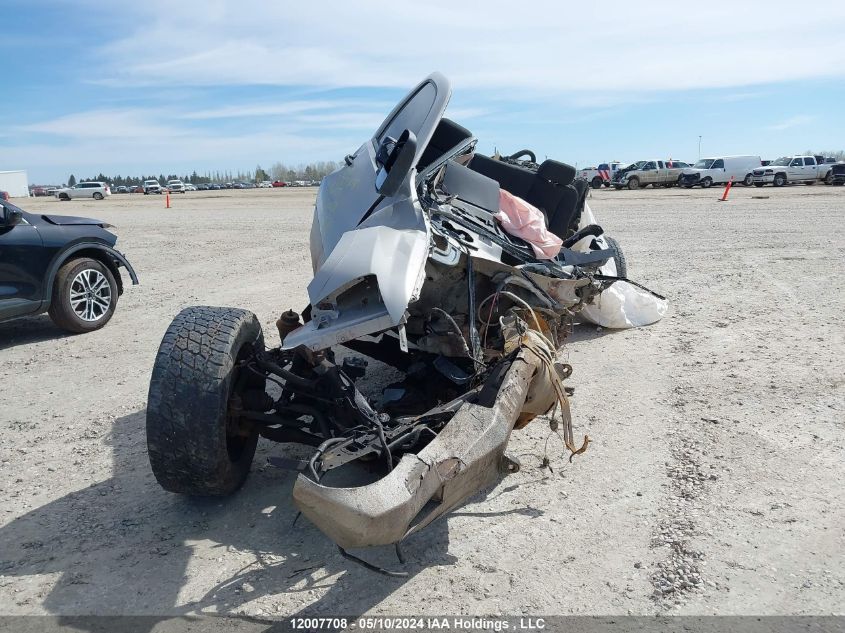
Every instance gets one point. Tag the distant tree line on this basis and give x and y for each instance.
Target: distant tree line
(838, 155)
(277, 171)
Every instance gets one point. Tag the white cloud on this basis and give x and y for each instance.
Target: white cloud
(96, 124)
(553, 49)
(791, 122)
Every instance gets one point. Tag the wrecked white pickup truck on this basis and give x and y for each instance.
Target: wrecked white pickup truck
(412, 267)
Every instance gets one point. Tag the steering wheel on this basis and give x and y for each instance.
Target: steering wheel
(521, 153)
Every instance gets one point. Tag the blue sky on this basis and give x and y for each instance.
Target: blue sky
(130, 88)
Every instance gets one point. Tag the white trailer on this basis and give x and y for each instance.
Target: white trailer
(15, 183)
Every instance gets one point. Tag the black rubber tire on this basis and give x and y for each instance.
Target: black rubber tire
(60, 310)
(706, 183)
(779, 180)
(64, 197)
(828, 179)
(190, 442)
(596, 183)
(748, 180)
(98, 195)
(619, 258)
(633, 183)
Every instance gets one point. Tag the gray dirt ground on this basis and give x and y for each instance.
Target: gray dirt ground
(713, 484)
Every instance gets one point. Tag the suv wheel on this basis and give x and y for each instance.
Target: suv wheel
(633, 183)
(779, 181)
(84, 296)
(98, 195)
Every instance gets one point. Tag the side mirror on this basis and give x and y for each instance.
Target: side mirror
(395, 159)
(11, 217)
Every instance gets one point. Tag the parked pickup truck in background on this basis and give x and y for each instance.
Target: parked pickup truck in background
(787, 169)
(601, 175)
(151, 186)
(656, 173)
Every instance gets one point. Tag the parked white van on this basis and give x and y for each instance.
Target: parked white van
(715, 171)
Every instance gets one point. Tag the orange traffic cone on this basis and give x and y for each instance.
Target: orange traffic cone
(724, 197)
(167, 201)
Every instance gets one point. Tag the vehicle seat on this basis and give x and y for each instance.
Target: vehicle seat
(551, 189)
(446, 135)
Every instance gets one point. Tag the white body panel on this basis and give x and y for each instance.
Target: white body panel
(727, 167)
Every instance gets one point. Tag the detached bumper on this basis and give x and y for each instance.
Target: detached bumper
(466, 456)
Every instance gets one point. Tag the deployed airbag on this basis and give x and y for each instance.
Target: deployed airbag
(623, 305)
(527, 222)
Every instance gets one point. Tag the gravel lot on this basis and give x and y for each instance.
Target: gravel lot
(713, 484)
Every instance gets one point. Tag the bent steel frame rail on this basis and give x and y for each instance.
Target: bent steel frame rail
(466, 456)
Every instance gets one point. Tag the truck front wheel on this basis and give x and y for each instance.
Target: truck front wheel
(196, 445)
(633, 183)
(779, 181)
(748, 180)
(706, 183)
(596, 183)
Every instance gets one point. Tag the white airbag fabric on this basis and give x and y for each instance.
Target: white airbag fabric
(623, 305)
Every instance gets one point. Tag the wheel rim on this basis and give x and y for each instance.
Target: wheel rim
(90, 295)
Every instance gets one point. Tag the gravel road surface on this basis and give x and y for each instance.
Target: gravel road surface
(713, 484)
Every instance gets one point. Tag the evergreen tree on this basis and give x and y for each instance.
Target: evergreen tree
(71, 181)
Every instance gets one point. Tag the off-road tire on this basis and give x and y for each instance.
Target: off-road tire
(596, 183)
(633, 183)
(61, 311)
(619, 258)
(193, 446)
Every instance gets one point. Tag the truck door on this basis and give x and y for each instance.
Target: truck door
(795, 171)
(811, 170)
(649, 173)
